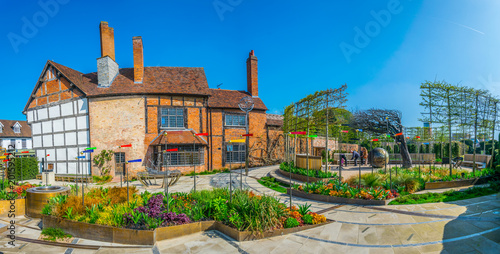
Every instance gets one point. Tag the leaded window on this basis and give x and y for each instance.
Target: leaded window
(172, 118)
(187, 155)
(235, 120)
(235, 153)
(24, 143)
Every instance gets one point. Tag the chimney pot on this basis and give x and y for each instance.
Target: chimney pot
(138, 59)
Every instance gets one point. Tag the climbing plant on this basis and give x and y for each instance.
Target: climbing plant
(102, 159)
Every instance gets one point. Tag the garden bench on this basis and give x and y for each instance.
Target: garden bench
(481, 160)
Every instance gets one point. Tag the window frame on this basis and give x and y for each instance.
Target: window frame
(241, 154)
(24, 143)
(235, 114)
(161, 115)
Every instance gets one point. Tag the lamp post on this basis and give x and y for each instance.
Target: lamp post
(241, 174)
(246, 104)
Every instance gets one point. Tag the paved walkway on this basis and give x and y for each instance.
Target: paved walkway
(467, 226)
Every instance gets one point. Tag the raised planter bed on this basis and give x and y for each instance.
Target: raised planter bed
(301, 178)
(19, 207)
(456, 183)
(331, 199)
(150, 237)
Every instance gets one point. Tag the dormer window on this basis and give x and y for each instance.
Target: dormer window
(17, 128)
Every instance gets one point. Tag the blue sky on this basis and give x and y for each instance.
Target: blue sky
(301, 46)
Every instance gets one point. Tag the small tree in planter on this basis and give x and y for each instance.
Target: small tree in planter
(102, 160)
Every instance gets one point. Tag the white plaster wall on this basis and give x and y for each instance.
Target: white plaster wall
(42, 114)
(59, 139)
(67, 109)
(47, 127)
(54, 112)
(70, 138)
(37, 141)
(61, 154)
(70, 123)
(58, 125)
(36, 128)
(47, 140)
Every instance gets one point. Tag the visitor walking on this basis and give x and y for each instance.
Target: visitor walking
(355, 156)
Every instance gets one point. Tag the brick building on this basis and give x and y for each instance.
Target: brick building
(69, 111)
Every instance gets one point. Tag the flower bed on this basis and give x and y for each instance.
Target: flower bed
(13, 201)
(299, 177)
(335, 191)
(147, 215)
(289, 167)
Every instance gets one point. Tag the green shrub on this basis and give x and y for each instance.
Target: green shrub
(53, 234)
(102, 179)
(29, 168)
(308, 219)
(291, 222)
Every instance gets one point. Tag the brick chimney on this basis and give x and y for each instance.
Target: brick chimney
(107, 68)
(252, 79)
(107, 40)
(138, 59)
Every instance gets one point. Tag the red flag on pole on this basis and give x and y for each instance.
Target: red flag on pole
(399, 134)
(201, 134)
(298, 132)
(129, 145)
(25, 152)
(345, 131)
(247, 135)
(375, 139)
(172, 150)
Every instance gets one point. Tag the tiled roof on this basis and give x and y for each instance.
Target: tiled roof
(230, 98)
(185, 137)
(274, 120)
(157, 80)
(8, 131)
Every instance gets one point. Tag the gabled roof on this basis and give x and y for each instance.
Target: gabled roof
(8, 130)
(221, 98)
(157, 80)
(274, 120)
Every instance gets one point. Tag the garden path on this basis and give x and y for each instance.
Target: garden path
(466, 226)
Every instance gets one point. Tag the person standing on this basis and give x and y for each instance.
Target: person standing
(364, 156)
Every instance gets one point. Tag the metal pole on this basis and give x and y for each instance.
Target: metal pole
(83, 190)
(77, 172)
(371, 155)
(340, 152)
(359, 165)
(326, 141)
(194, 166)
(22, 168)
(307, 143)
(230, 177)
(246, 144)
(290, 175)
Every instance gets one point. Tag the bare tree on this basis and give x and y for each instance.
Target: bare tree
(383, 121)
